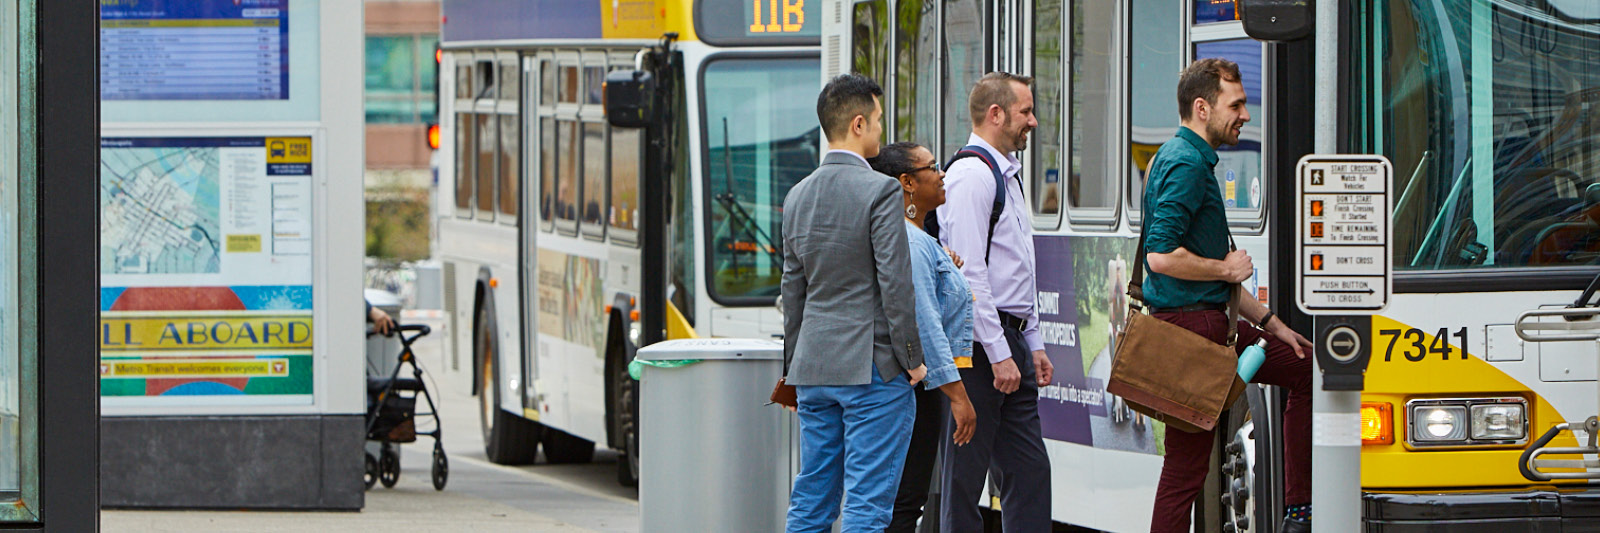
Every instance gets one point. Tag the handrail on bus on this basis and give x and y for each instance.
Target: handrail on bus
(1576, 324)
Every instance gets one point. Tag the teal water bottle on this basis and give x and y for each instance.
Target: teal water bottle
(1250, 361)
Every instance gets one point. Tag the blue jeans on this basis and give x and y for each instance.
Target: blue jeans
(851, 436)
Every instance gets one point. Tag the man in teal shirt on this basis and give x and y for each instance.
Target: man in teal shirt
(1194, 273)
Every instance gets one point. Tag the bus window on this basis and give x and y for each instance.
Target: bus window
(626, 156)
(916, 112)
(547, 170)
(487, 152)
(465, 131)
(1238, 168)
(761, 138)
(464, 76)
(871, 39)
(566, 199)
(1487, 111)
(568, 91)
(509, 169)
(1092, 179)
(1157, 58)
(547, 84)
(1047, 98)
(966, 55)
(594, 179)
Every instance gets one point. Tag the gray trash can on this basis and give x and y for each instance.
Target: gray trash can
(383, 352)
(713, 456)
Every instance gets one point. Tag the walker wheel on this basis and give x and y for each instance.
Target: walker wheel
(441, 469)
(389, 468)
(370, 477)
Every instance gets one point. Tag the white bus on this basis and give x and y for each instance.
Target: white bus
(1488, 110)
(551, 267)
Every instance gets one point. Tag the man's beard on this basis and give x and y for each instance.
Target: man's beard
(1222, 134)
(1019, 142)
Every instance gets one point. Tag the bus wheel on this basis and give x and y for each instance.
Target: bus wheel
(626, 406)
(562, 448)
(508, 439)
(1238, 480)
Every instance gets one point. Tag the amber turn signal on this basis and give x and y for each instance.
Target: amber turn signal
(1377, 423)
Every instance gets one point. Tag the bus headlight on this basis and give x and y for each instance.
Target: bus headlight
(1467, 421)
(1498, 422)
(1440, 423)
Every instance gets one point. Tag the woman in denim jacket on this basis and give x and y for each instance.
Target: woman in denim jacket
(944, 316)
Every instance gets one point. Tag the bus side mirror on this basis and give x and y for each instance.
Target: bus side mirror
(628, 98)
(1278, 20)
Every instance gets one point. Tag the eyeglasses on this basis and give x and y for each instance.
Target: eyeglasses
(934, 167)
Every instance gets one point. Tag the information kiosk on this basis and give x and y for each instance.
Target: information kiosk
(230, 371)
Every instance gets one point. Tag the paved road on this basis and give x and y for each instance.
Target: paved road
(481, 496)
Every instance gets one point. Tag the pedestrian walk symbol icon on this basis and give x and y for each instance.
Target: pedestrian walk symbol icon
(1316, 177)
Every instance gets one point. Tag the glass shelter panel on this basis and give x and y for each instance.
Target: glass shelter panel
(1489, 112)
(18, 491)
(761, 138)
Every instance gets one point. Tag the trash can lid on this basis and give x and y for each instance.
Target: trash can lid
(712, 349)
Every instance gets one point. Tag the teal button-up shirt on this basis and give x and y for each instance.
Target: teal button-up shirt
(1183, 207)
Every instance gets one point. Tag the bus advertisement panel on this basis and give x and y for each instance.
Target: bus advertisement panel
(206, 271)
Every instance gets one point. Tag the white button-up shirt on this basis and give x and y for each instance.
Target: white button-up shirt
(1006, 283)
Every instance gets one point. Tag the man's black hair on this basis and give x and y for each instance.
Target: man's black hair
(845, 96)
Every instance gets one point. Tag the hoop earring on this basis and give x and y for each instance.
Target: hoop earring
(911, 211)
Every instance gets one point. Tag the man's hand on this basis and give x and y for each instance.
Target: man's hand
(954, 257)
(381, 323)
(1295, 340)
(961, 411)
(1006, 376)
(1236, 267)
(917, 374)
(1042, 368)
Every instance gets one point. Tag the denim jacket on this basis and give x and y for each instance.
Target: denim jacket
(944, 308)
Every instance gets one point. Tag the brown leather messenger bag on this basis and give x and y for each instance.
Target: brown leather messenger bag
(1172, 374)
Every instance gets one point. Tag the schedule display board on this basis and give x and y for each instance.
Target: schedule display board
(206, 270)
(194, 49)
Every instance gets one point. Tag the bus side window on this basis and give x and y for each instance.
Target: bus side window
(916, 106)
(510, 174)
(1045, 172)
(465, 135)
(546, 146)
(1092, 178)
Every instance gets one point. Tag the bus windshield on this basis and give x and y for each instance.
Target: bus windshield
(1490, 112)
(761, 137)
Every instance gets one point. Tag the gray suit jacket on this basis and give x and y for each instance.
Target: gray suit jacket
(847, 295)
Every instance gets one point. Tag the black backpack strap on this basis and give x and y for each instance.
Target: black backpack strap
(973, 150)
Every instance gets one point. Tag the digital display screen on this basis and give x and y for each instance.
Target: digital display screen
(759, 22)
(194, 49)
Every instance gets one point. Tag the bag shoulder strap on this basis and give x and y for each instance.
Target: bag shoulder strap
(999, 206)
(1136, 290)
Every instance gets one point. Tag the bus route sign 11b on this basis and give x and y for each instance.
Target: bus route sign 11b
(1342, 252)
(759, 22)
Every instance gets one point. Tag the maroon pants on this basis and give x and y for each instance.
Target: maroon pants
(1189, 454)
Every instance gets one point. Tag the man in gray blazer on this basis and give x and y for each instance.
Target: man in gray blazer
(851, 346)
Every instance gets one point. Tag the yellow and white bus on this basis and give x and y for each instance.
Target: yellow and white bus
(1488, 110)
(551, 267)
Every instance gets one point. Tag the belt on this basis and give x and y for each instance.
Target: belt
(1202, 306)
(1011, 321)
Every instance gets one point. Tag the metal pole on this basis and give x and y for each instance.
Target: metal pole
(1335, 459)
